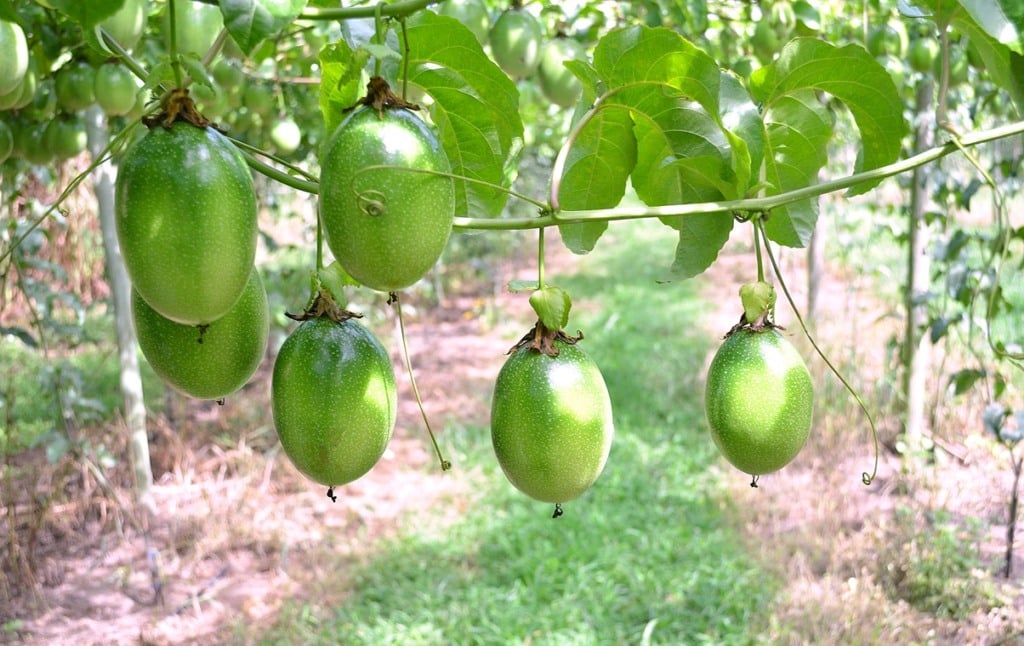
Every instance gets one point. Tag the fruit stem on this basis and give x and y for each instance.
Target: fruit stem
(757, 248)
(379, 36)
(393, 299)
(175, 62)
(405, 58)
(540, 257)
(319, 241)
(866, 478)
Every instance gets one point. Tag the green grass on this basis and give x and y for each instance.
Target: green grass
(648, 551)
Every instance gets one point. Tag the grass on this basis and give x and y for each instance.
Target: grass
(648, 555)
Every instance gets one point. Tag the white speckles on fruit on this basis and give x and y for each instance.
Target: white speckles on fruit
(230, 350)
(333, 400)
(551, 422)
(759, 401)
(386, 226)
(186, 222)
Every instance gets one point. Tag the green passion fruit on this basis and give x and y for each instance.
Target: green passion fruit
(186, 221)
(515, 42)
(333, 399)
(759, 400)
(209, 361)
(386, 225)
(551, 422)
(13, 56)
(559, 85)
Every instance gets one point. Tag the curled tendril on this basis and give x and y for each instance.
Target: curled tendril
(372, 203)
(866, 478)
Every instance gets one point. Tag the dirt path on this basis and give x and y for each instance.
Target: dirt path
(239, 534)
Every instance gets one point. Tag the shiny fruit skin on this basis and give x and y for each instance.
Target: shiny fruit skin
(551, 422)
(65, 137)
(186, 221)
(196, 24)
(387, 227)
(116, 89)
(213, 362)
(13, 56)
(759, 401)
(286, 135)
(558, 84)
(515, 43)
(128, 23)
(75, 86)
(333, 399)
(922, 55)
(472, 13)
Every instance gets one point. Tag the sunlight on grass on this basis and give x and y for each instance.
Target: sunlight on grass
(649, 550)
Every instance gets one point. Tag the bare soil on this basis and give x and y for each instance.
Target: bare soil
(237, 534)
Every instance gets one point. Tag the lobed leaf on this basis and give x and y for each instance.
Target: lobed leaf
(475, 107)
(87, 14)
(1003, 20)
(674, 90)
(596, 172)
(701, 238)
(662, 105)
(340, 82)
(250, 22)
(798, 128)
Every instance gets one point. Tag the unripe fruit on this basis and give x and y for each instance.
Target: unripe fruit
(334, 400)
(759, 400)
(551, 422)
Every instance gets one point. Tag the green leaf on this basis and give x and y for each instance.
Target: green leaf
(1004, 66)
(552, 305)
(1003, 20)
(849, 74)
(673, 91)
(519, 285)
(334, 278)
(744, 119)
(475, 107)
(88, 13)
(963, 380)
(798, 129)
(701, 237)
(380, 51)
(196, 70)
(682, 156)
(340, 82)
(758, 300)
(596, 172)
(251, 21)
(8, 13)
